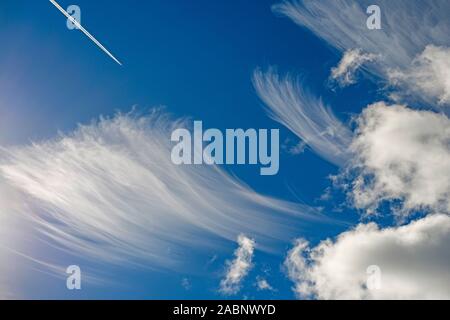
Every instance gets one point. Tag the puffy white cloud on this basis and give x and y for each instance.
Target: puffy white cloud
(304, 114)
(412, 261)
(238, 268)
(108, 192)
(353, 59)
(401, 155)
(429, 74)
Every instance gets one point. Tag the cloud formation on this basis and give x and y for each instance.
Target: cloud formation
(401, 155)
(109, 192)
(238, 268)
(353, 59)
(342, 24)
(397, 154)
(413, 263)
(305, 115)
(429, 75)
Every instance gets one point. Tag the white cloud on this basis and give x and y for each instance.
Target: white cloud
(293, 148)
(238, 268)
(304, 115)
(108, 192)
(353, 59)
(413, 261)
(429, 74)
(406, 30)
(401, 154)
(262, 284)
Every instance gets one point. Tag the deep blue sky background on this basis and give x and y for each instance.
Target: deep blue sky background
(194, 57)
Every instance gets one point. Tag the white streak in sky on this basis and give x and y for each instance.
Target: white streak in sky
(79, 26)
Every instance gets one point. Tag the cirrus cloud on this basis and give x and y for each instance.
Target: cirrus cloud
(108, 192)
(304, 114)
(400, 53)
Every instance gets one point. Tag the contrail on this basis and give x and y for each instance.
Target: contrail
(79, 26)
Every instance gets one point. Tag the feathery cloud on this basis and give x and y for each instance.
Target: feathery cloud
(108, 192)
(342, 24)
(304, 114)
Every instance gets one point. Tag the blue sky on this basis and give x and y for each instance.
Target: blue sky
(196, 59)
(203, 72)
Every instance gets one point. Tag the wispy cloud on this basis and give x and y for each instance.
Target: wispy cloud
(109, 192)
(305, 115)
(342, 24)
(238, 268)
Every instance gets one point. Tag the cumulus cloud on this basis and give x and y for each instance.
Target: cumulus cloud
(108, 192)
(342, 24)
(429, 74)
(304, 114)
(353, 59)
(238, 268)
(403, 156)
(412, 262)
